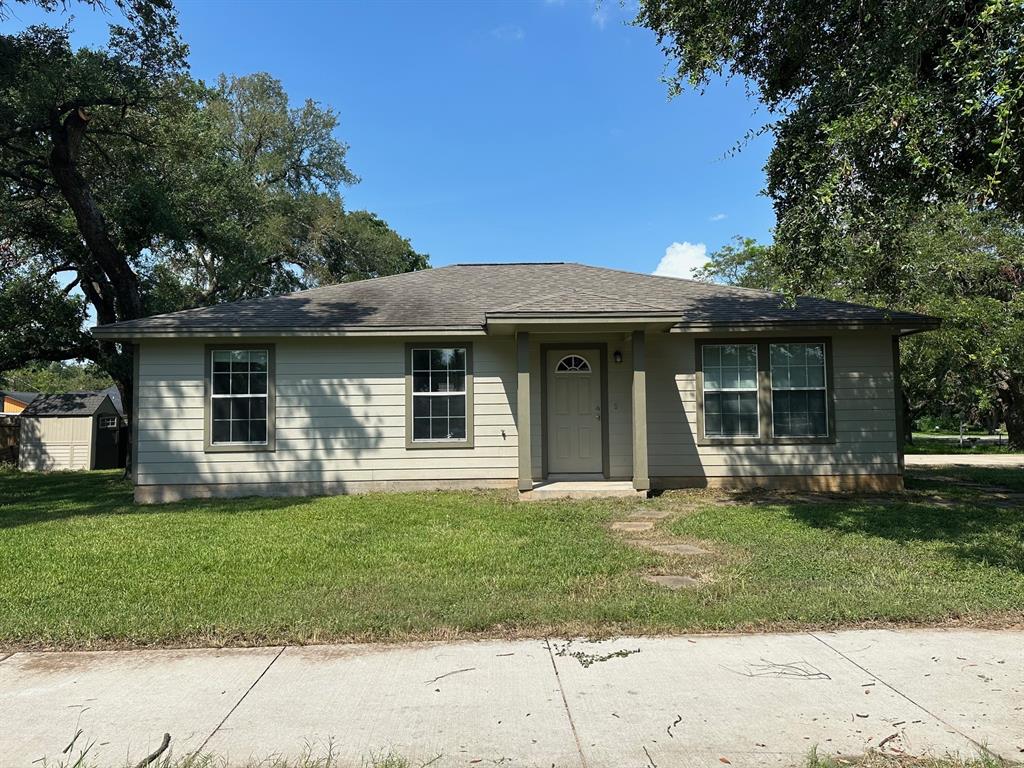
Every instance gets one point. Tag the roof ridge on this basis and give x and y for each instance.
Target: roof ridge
(677, 279)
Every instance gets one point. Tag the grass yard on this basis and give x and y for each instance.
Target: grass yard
(930, 445)
(82, 566)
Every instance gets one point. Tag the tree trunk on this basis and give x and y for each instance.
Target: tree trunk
(1011, 397)
(67, 135)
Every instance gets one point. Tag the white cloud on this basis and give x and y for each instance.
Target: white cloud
(599, 17)
(681, 259)
(508, 32)
(718, 217)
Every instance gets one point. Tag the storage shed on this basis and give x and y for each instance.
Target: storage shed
(73, 430)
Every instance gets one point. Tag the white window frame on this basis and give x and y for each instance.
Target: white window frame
(265, 395)
(755, 389)
(107, 422)
(465, 392)
(823, 388)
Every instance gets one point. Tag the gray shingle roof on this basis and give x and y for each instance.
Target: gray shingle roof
(21, 397)
(463, 295)
(66, 404)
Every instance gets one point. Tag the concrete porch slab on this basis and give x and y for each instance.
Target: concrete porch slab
(582, 489)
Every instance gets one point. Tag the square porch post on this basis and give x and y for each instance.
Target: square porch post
(523, 410)
(641, 480)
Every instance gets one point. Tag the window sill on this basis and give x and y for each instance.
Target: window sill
(238, 448)
(740, 441)
(416, 445)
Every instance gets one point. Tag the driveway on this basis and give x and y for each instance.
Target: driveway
(989, 460)
(698, 700)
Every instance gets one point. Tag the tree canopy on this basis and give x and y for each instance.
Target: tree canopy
(128, 188)
(897, 173)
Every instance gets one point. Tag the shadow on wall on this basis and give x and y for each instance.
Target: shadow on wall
(325, 430)
(866, 437)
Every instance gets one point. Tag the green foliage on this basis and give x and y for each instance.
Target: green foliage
(897, 173)
(152, 192)
(57, 376)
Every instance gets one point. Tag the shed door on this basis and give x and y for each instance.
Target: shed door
(574, 412)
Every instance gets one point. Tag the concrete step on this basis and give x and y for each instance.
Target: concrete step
(582, 489)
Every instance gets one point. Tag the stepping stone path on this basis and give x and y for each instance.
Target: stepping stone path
(672, 582)
(633, 526)
(668, 549)
(650, 514)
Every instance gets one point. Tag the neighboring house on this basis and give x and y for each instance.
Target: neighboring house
(513, 375)
(73, 430)
(16, 402)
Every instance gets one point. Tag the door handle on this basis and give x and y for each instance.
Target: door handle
(597, 412)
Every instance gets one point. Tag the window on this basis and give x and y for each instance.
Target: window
(573, 364)
(107, 422)
(440, 383)
(799, 395)
(240, 405)
(730, 390)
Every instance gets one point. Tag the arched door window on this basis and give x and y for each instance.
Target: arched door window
(572, 364)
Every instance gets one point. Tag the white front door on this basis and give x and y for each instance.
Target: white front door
(574, 412)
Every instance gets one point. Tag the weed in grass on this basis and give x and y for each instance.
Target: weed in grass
(875, 759)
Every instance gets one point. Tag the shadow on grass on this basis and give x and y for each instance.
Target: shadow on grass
(964, 511)
(27, 498)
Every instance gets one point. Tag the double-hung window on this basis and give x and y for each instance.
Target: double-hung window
(239, 413)
(440, 395)
(764, 391)
(730, 390)
(799, 394)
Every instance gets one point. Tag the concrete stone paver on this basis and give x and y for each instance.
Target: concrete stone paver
(957, 676)
(672, 580)
(493, 702)
(680, 550)
(632, 526)
(122, 701)
(680, 701)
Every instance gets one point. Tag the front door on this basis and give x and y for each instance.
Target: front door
(574, 412)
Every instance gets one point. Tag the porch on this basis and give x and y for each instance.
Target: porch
(581, 411)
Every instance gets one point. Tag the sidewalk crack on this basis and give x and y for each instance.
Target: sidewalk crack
(983, 749)
(565, 703)
(240, 700)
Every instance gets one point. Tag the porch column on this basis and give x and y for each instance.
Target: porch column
(641, 480)
(523, 410)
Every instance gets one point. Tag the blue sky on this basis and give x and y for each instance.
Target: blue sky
(502, 131)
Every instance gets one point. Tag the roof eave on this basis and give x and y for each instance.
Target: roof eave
(115, 333)
(903, 326)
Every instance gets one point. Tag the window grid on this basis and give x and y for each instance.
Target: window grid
(439, 394)
(573, 364)
(730, 391)
(238, 397)
(799, 390)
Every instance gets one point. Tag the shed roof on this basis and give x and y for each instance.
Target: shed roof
(66, 404)
(21, 397)
(463, 296)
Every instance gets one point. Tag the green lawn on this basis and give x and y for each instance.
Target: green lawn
(927, 444)
(80, 565)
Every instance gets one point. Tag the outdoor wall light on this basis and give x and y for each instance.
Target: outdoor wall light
(617, 356)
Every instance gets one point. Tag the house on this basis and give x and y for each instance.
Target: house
(16, 402)
(515, 375)
(73, 430)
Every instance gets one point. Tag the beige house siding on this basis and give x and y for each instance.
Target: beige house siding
(55, 443)
(865, 417)
(340, 419)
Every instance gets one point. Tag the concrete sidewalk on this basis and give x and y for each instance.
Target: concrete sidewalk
(683, 701)
(987, 460)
